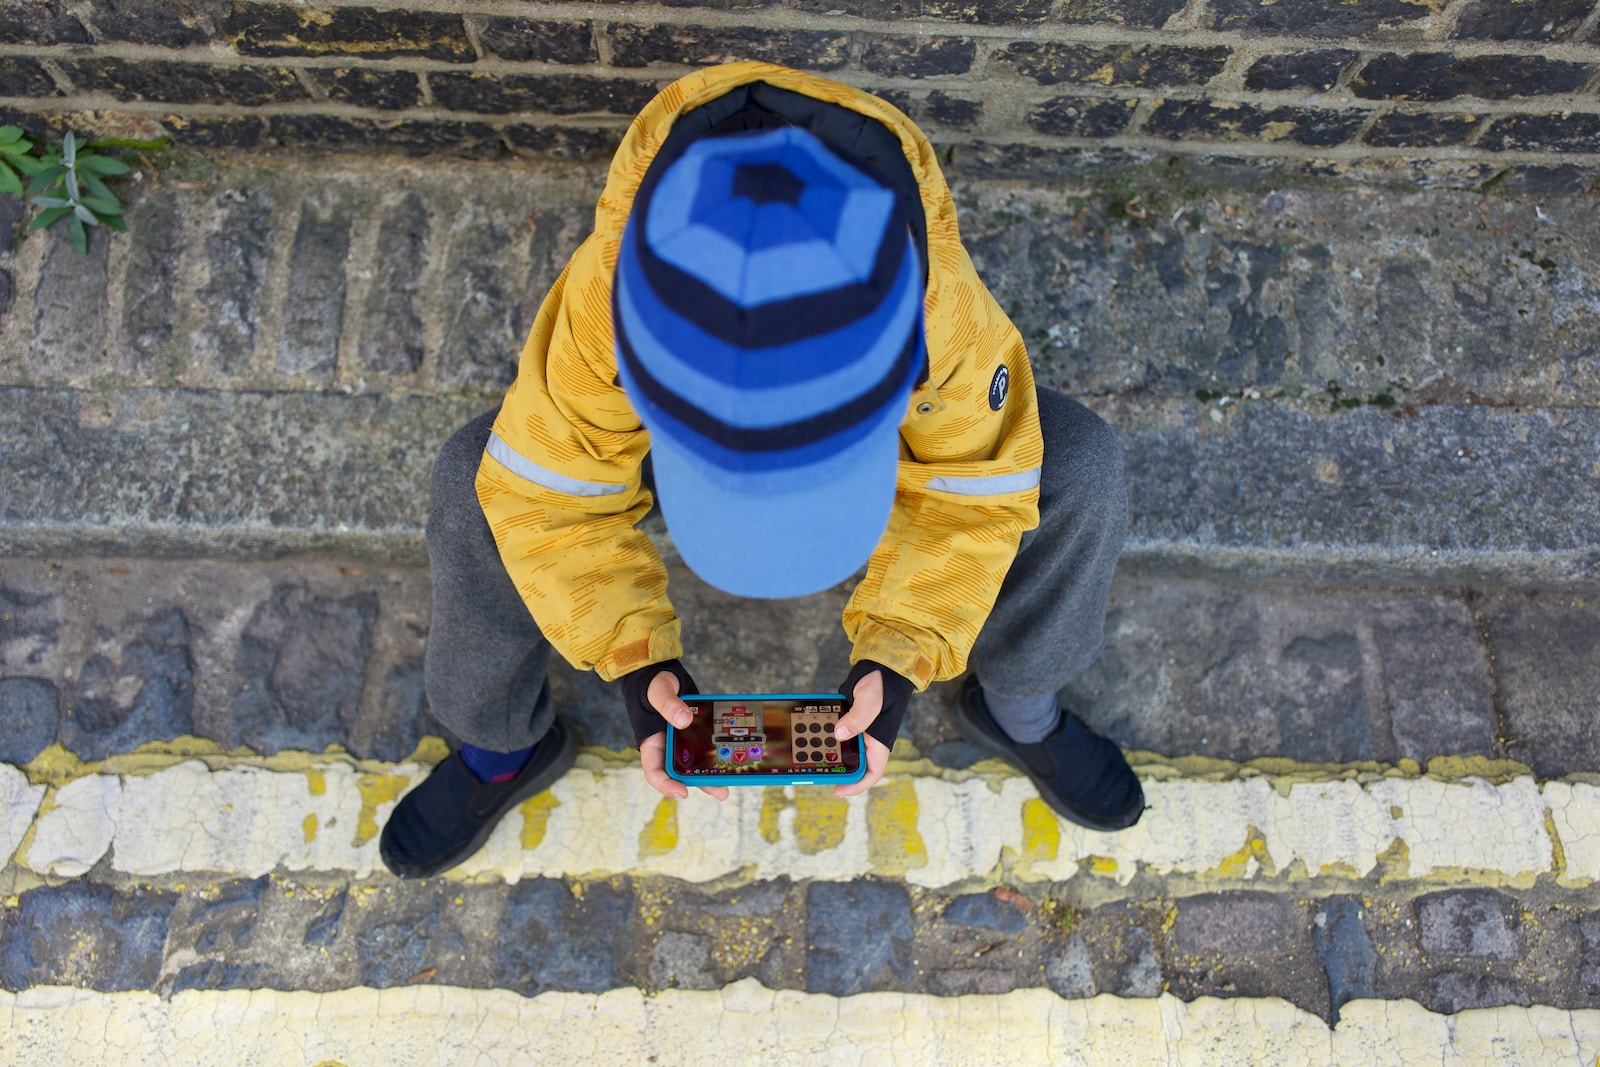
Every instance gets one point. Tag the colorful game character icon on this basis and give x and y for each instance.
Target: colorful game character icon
(756, 752)
(740, 755)
(724, 752)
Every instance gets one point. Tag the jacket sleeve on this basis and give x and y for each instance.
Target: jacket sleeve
(560, 486)
(968, 489)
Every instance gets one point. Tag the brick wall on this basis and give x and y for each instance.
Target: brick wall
(1441, 92)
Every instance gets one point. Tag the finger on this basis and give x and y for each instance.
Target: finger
(718, 792)
(868, 703)
(877, 761)
(663, 696)
(653, 758)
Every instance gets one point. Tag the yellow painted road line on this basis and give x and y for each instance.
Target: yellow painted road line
(747, 1023)
(19, 802)
(931, 830)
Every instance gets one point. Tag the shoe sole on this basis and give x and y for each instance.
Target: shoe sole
(564, 757)
(978, 737)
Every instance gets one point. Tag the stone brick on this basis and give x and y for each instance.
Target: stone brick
(303, 659)
(1152, 13)
(984, 910)
(1213, 120)
(270, 30)
(1538, 180)
(156, 22)
(540, 41)
(12, 212)
(1562, 132)
(209, 131)
(391, 331)
(486, 325)
(220, 921)
(149, 296)
(1436, 683)
(313, 307)
(1522, 20)
(559, 94)
(46, 22)
(237, 253)
(475, 140)
(145, 694)
(855, 932)
(563, 142)
(116, 938)
(70, 307)
(1473, 923)
(1456, 991)
(402, 718)
(919, 57)
(1070, 971)
(1299, 70)
(1549, 673)
(947, 110)
(25, 77)
(1026, 162)
(169, 82)
(30, 712)
(1345, 948)
(388, 90)
(982, 12)
(8, 293)
(1145, 66)
(1235, 922)
(551, 938)
(682, 961)
(1421, 129)
(1318, 18)
(1082, 116)
(1432, 76)
(639, 46)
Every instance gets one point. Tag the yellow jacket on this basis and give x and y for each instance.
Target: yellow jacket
(560, 481)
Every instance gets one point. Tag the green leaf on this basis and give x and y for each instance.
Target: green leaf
(104, 166)
(53, 201)
(101, 206)
(85, 215)
(80, 236)
(97, 188)
(10, 133)
(9, 182)
(28, 164)
(45, 218)
(16, 148)
(69, 149)
(114, 222)
(44, 179)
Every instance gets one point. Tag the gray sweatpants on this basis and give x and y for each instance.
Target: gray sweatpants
(485, 665)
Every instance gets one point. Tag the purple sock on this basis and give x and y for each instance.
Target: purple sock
(495, 766)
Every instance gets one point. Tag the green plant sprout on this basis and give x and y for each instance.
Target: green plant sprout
(70, 184)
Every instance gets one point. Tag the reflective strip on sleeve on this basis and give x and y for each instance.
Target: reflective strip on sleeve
(990, 485)
(523, 467)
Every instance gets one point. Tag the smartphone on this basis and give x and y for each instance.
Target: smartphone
(764, 739)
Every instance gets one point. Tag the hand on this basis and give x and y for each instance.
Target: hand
(662, 695)
(867, 703)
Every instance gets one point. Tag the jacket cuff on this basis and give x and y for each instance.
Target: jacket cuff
(664, 643)
(877, 642)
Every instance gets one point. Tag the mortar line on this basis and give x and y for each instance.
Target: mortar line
(1475, 603)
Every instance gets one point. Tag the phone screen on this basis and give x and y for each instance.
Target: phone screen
(764, 735)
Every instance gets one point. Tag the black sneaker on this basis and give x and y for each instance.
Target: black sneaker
(449, 816)
(1077, 772)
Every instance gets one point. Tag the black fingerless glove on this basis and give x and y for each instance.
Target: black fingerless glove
(897, 692)
(646, 720)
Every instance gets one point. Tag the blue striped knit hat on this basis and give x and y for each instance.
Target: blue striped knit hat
(768, 320)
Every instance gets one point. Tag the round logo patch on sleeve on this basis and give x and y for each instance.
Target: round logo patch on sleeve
(999, 386)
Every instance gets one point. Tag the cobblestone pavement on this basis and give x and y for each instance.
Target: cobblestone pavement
(1351, 652)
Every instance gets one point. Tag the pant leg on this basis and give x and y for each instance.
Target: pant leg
(484, 669)
(1048, 622)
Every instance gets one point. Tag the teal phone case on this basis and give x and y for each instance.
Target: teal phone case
(776, 778)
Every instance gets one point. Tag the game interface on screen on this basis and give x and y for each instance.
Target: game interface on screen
(765, 737)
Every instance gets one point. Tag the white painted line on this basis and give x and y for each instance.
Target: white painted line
(932, 831)
(19, 802)
(747, 1023)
